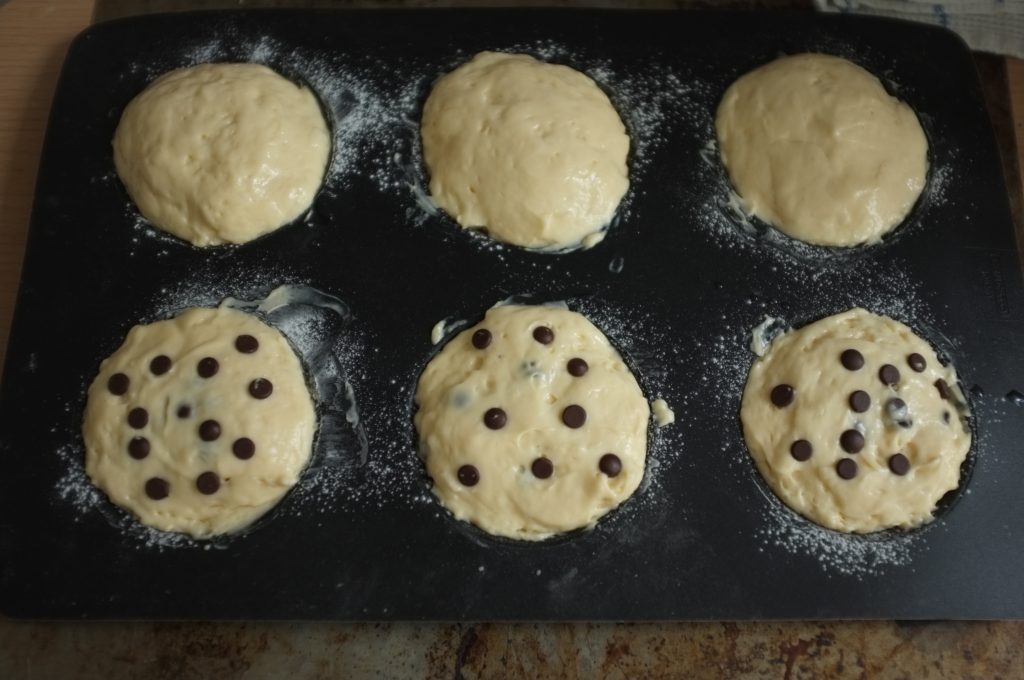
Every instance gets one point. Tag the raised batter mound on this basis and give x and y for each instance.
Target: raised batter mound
(855, 424)
(222, 153)
(815, 146)
(534, 153)
(530, 423)
(199, 424)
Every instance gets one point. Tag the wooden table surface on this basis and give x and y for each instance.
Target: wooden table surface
(34, 36)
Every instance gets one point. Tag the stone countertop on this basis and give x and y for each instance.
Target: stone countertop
(34, 36)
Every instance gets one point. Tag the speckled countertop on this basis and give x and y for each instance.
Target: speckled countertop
(33, 39)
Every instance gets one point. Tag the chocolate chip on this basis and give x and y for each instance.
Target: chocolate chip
(138, 448)
(157, 488)
(852, 441)
(542, 468)
(943, 389)
(118, 384)
(801, 450)
(468, 475)
(945, 417)
(543, 335)
(782, 395)
(889, 374)
(495, 418)
(577, 367)
(243, 448)
(846, 468)
(160, 365)
(860, 401)
(610, 465)
(209, 430)
(916, 362)
(261, 388)
(896, 407)
(899, 464)
(852, 360)
(184, 411)
(482, 338)
(138, 418)
(207, 367)
(208, 483)
(246, 344)
(574, 416)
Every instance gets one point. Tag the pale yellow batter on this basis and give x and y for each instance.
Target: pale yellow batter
(855, 424)
(815, 146)
(530, 423)
(222, 153)
(200, 423)
(534, 153)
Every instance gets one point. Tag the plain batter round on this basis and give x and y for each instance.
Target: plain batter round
(855, 424)
(530, 423)
(222, 153)
(200, 423)
(534, 153)
(815, 146)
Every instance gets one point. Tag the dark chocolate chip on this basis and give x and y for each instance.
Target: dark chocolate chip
(852, 441)
(138, 418)
(896, 407)
(157, 488)
(160, 365)
(610, 465)
(782, 395)
(889, 374)
(577, 367)
(138, 448)
(574, 416)
(209, 430)
(801, 450)
(945, 417)
(852, 360)
(495, 418)
(899, 464)
(468, 475)
(184, 411)
(543, 335)
(261, 388)
(860, 401)
(482, 338)
(542, 468)
(118, 384)
(916, 362)
(243, 448)
(943, 389)
(208, 483)
(246, 344)
(846, 468)
(207, 367)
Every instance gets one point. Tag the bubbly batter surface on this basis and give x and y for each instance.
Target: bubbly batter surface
(815, 146)
(855, 424)
(200, 423)
(530, 423)
(534, 153)
(222, 153)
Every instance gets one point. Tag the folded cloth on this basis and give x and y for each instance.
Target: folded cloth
(987, 25)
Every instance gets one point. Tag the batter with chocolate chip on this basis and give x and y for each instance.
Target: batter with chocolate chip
(199, 424)
(530, 423)
(848, 420)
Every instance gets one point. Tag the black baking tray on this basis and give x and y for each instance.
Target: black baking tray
(677, 284)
